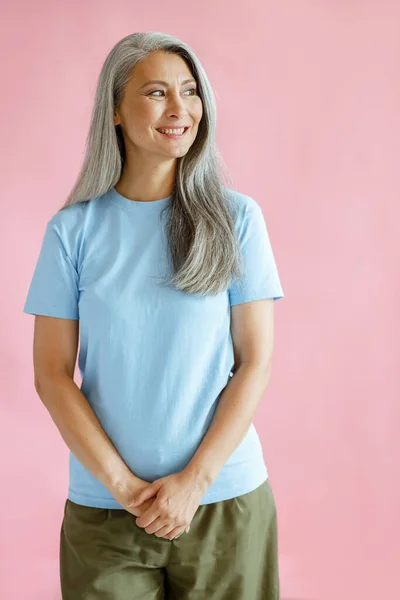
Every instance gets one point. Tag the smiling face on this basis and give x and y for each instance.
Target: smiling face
(147, 107)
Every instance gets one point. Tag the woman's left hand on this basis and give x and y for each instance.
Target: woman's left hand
(177, 499)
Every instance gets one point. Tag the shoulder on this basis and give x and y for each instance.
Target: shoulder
(247, 209)
(241, 200)
(70, 224)
(75, 219)
(69, 217)
(246, 205)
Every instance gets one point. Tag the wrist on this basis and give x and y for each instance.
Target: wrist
(122, 483)
(199, 475)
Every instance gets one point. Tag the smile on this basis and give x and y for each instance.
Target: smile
(173, 133)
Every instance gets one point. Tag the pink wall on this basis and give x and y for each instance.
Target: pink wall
(308, 98)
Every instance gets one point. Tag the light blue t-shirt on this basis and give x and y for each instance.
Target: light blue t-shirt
(153, 360)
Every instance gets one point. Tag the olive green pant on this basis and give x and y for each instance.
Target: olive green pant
(230, 553)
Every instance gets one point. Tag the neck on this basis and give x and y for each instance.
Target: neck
(146, 180)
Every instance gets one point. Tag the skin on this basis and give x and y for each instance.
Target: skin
(149, 174)
(149, 171)
(150, 164)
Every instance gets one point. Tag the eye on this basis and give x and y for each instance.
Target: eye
(190, 90)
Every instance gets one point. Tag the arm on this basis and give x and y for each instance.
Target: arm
(252, 328)
(54, 354)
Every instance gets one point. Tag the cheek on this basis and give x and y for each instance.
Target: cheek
(149, 111)
(141, 117)
(198, 109)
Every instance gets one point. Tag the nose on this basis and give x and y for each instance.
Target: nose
(176, 107)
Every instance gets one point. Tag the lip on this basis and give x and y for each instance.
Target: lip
(173, 127)
(172, 136)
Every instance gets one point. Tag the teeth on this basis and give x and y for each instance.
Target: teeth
(173, 131)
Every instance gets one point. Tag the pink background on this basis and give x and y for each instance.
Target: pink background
(308, 123)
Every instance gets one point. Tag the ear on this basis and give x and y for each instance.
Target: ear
(117, 120)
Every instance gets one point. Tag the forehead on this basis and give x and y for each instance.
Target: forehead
(171, 68)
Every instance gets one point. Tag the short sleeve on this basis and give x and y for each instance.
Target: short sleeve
(54, 288)
(260, 278)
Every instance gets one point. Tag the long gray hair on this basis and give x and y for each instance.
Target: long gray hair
(201, 229)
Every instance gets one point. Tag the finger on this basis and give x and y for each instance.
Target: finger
(157, 526)
(144, 494)
(162, 531)
(148, 517)
(175, 533)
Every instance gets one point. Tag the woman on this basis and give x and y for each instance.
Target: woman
(168, 279)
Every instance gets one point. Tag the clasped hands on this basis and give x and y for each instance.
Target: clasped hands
(177, 498)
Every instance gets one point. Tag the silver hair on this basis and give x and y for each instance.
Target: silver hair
(201, 227)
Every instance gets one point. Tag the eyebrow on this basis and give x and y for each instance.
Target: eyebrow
(159, 81)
